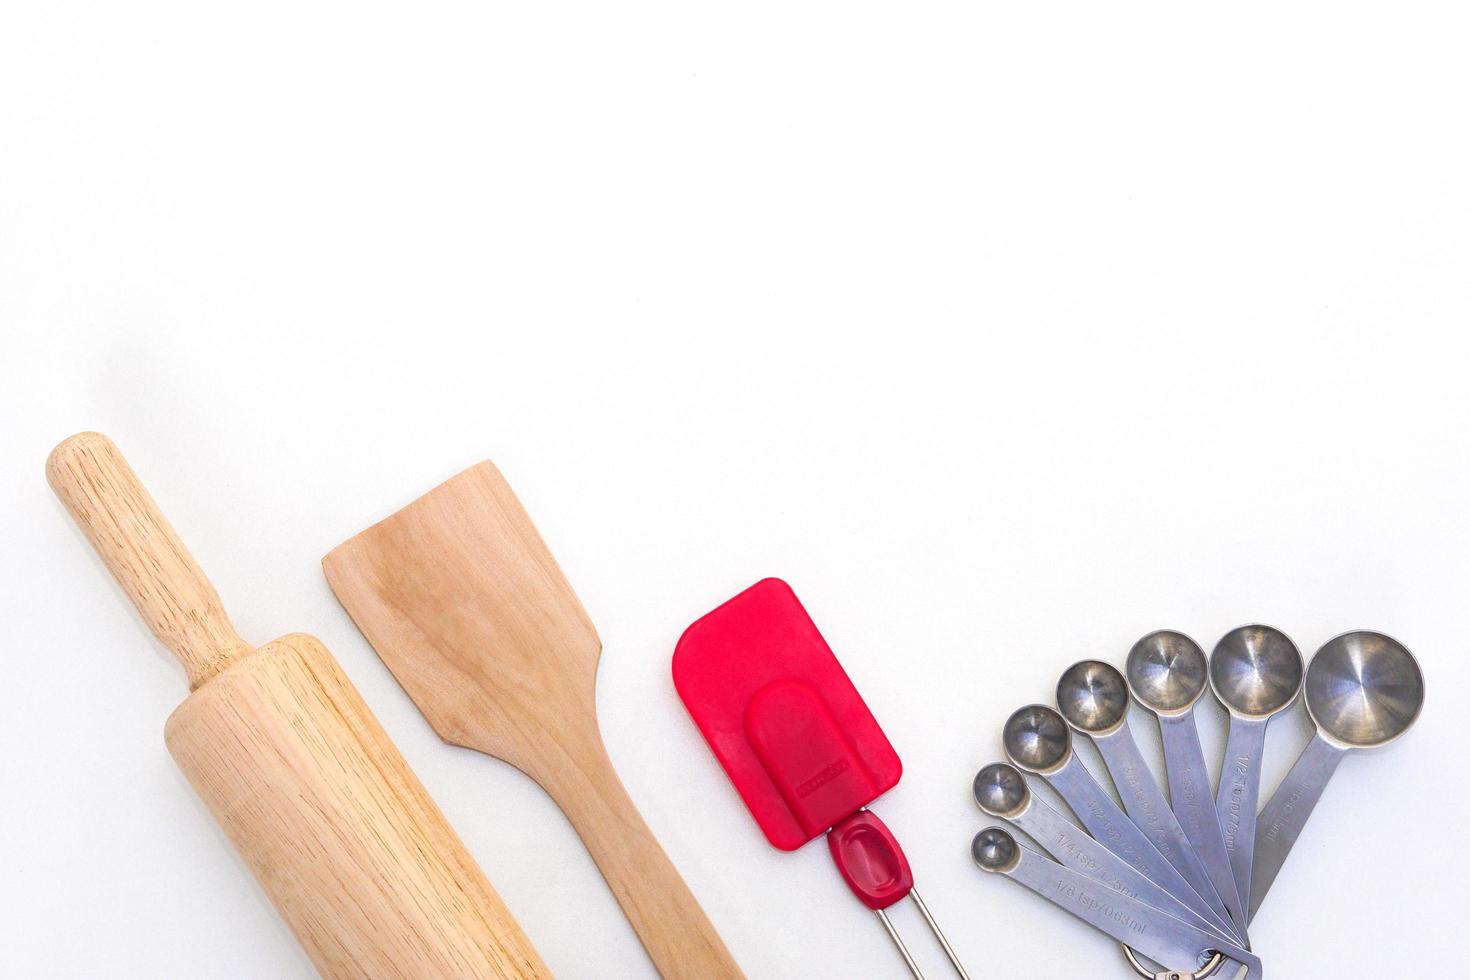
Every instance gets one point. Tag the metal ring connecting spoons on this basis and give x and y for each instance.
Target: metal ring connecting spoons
(1001, 792)
(1038, 741)
(1363, 690)
(1093, 698)
(1141, 927)
(1208, 970)
(1168, 673)
(1256, 673)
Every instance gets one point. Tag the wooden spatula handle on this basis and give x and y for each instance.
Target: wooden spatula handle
(678, 936)
(144, 554)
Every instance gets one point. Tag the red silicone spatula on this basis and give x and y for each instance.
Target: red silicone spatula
(797, 741)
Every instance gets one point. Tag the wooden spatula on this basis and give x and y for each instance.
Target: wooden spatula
(470, 612)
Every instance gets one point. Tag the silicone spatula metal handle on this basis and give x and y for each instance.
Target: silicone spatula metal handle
(874, 866)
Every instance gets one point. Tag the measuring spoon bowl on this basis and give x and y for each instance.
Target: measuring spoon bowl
(1093, 698)
(1168, 673)
(1363, 690)
(1038, 741)
(1156, 935)
(1256, 672)
(1001, 791)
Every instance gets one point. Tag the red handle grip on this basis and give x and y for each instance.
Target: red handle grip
(870, 860)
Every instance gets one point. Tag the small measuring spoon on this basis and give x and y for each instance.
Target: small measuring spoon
(1141, 927)
(1167, 673)
(1037, 740)
(1001, 792)
(1363, 690)
(1093, 698)
(1256, 673)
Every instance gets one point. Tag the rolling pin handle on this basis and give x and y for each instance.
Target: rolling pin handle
(144, 555)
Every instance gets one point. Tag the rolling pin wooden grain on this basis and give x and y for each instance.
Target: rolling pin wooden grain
(467, 607)
(279, 745)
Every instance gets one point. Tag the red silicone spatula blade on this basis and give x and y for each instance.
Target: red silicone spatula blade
(781, 715)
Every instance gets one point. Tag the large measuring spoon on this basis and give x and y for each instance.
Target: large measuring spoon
(1093, 698)
(1001, 792)
(1363, 690)
(1256, 673)
(1141, 927)
(1038, 741)
(1167, 673)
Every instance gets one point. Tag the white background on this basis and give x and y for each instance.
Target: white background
(1005, 332)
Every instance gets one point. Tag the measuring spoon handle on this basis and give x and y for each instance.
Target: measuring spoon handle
(1240, 794)
(1189, 793)
(1103, 819)
(1147, 807)
(1072, 848)
(1286, 814)
(1156, 935)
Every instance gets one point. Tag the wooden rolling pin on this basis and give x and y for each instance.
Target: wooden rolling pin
(280, 746)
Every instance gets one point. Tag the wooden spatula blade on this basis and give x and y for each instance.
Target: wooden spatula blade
(469, 610)
(464, 603)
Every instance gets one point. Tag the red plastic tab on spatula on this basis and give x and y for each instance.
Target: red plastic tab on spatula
(781, 715)
(870, 860)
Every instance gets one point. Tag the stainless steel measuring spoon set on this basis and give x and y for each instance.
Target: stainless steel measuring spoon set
(1178, 877)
